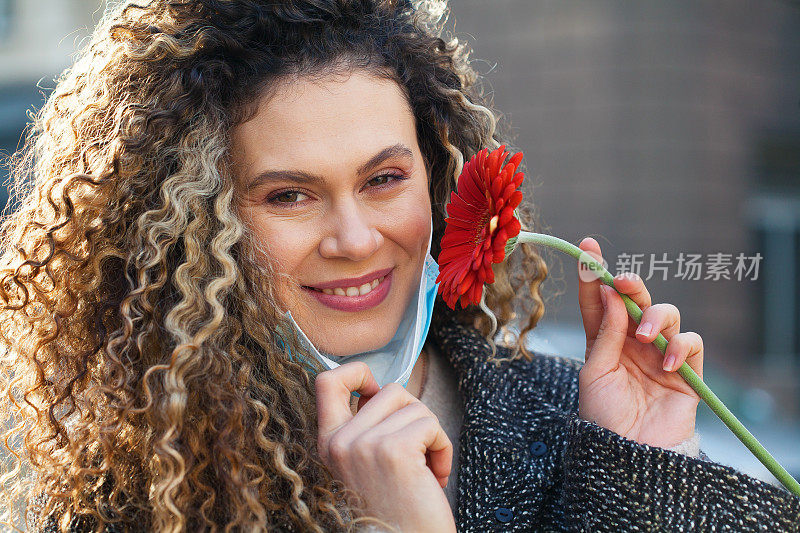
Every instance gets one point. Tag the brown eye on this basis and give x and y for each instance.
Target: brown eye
(380, 180)
(386, 179)
(286, 197)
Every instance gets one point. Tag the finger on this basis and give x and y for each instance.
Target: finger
(333, 391)
(589, 291)
(661, 318)
(391, 398)
(361, 401)
(396, 423)
(602, 355)
(632, 285)
(684, 347)
(432, 440)
(442, 480)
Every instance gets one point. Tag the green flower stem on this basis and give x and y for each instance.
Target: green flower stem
(685, 370)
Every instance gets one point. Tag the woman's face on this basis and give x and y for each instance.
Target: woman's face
(332, 183)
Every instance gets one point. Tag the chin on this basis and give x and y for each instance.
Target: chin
(352, 348)
(344, 347)
(344, 336)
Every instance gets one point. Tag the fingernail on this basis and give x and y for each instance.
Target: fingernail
(644, 329)
(669, 362)
(603, 296)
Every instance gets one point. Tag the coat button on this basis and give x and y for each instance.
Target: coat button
(503, 514)
(538, 448)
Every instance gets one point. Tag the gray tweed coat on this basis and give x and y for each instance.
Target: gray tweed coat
(529, 463)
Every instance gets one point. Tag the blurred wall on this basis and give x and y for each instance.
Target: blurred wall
(663, 127)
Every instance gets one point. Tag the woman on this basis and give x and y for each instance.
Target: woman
(227, 235)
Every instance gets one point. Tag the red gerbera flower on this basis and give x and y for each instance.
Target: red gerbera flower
(480, 222)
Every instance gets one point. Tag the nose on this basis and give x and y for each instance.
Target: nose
(354, 236)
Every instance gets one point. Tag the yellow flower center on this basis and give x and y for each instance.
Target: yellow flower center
(493, 224)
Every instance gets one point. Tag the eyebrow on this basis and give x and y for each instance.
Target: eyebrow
(299, 176)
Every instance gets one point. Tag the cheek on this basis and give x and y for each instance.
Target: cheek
(412, 227)
(285, 246)
(285, 249)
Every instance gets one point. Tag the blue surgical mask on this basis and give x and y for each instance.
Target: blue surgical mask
(393, 362)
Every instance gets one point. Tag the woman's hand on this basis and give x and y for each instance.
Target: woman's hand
(392, 452)
(622, 385)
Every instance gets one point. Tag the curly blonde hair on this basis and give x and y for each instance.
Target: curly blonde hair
(144, 382)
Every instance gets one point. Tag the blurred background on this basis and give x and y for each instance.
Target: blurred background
(659, 128)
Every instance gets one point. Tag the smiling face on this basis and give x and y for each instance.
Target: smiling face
(332, 184)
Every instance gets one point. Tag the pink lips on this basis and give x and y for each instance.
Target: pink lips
(353, 282)
(355, 303)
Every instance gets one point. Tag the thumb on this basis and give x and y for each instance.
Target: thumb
(603, 356)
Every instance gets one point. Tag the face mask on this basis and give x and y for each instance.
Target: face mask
(393, 362)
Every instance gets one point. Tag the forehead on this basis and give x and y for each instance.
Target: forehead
(324, 121)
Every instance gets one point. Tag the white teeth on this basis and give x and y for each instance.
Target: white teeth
(355, 291)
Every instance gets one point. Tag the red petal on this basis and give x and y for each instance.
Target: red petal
(508, 190)
(505, 216)
(453, 252)
(512, 228)
(471, 188)
(467, 283)
(507, 174)
(477, 290)
(495, 160)
(476, 262)
(457, 237)
(515, 160)
(463, 211)
(458, 223)
(462, 273)
(496, 188)
(500, 239)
